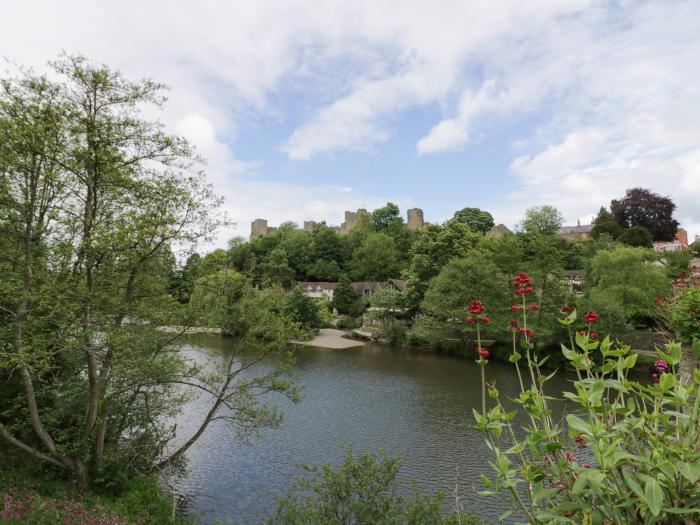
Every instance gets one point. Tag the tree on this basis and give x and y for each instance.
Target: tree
(303, 309)
(375, 259)
(387, 303)
(324, 270)
(96, 197)
(605, 223)
(641, 207)
(544, 220)
(695, 246)
(683, 316)
(344, 297)
(362, 490)
(479, 221)
(383, 218)
(214, 296)
(472, 276)
(275, 268)
(629, 276)
(636, 236)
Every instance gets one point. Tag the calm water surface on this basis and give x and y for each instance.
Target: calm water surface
(414, 404)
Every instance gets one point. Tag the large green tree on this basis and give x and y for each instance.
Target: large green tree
(542, 219)
(630, 277)
(376, 259)
(94, 200)
(478, 220)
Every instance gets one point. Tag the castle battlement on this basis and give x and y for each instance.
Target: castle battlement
(415, 221)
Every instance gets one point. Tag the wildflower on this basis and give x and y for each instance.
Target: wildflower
(484, 353)
(560, 484)
(529, 332)
(516, 307)
(591, 316)
(485, 319)
(581, 332)
(593, 335)
(580, 441)
(475, 307)
(513, 323)
(661, 366)
(522, 280)
(533, 307)
(586, 465)
(478, 350)
(569, 455)
(566, 309)
(469, 320)
(655, 378)
(523, 291)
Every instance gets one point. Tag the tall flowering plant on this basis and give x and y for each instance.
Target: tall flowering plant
(628, 450)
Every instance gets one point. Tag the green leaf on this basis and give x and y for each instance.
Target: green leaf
(695, 348)
(654, 496)
(632, 483)
(690, 471)
(578, 424)
(631, 360)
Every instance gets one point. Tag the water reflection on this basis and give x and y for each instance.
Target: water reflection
(410, 403)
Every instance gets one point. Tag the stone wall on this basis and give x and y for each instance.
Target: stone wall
(415, 219)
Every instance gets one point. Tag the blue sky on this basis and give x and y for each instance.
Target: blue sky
(306, 108)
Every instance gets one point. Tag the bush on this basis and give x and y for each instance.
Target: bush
(395, 334)
(362, 490)
(684, 315)
(629, 452)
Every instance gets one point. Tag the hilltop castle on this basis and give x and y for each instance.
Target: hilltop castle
(415, 221)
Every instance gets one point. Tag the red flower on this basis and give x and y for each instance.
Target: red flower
(484, 353)
(516, 307)
(591, 316)
(569, 455)
(522, 280)
(513, 323)
(529, 332)
(593, 335)
(580, 441)
(475, 307)
(566, 309)
(485, 319)
(469, 320)
(533, 306)
(655, 377)
(523, 291)
(586, 465)
(581, 332)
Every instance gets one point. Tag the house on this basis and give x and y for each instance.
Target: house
(363, 289)
(576, 233)
(680, 242)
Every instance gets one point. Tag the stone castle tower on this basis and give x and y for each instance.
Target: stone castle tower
(259, 228)
(415, 219)
(351, 218)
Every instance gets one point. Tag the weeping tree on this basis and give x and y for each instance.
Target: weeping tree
(94, 198)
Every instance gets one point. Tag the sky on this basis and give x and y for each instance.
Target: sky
(306, 108)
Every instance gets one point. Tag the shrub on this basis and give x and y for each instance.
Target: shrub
(630, 450)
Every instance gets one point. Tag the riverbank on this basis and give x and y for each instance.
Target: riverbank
(330, 338)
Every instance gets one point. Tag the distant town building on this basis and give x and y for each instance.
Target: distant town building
(576, 233)
(498, 231)
(680, 242)
(363, 289)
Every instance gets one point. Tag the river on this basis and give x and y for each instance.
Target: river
(410, 403)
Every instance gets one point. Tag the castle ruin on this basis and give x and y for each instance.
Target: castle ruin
(415, 221)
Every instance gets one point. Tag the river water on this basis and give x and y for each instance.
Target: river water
(410, 403)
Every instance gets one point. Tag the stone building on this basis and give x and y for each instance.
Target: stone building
(351, 219)
(415, 219)
(680, 242)
(259, 228)
(498, 231)
(576, 233)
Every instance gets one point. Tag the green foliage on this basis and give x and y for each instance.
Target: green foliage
(479, 221)
(386, 217)
(303, 309)
(344, 298)
(275, 268)
(545, 220)
(695, 246)
(676, 262)
(636, 236)
(376, 259)
(363, 489)
(605, 224)
(684, 315)
(214, 296)
(472, 276)
(628, 453)
(630, 277)
(386, 303)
